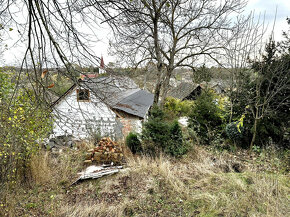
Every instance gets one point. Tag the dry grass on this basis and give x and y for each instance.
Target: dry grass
(41, 172)
(200, 184)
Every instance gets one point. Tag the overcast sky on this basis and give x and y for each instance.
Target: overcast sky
(267, 7)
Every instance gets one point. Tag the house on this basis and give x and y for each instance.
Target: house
(189, 91)
(186, 91)
(96, 71)
(111, 106)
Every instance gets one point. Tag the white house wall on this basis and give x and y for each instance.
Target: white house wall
(81, 119)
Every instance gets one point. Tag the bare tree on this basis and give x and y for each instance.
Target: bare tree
(137, 36)
(173, 34)
(246, 43)
(59, 34)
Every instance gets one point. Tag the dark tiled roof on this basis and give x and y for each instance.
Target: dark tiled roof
(136, 103)
(119, 93)
(183, 90)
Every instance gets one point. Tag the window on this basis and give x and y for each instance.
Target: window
(83, 95)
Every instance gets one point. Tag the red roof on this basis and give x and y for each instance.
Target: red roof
(89, 76)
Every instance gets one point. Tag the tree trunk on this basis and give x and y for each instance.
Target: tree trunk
(159, 60)
(158, 85)
(145, 81)
(165, 87)
(231, 111)
(254, 134)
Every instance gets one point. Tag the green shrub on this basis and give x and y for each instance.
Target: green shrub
(23, 124)
(177, 107)
(270, 131)
(176, 146)
(133, 142)
(207, 116)
(234, 133)
(161, 135)
(156, 131)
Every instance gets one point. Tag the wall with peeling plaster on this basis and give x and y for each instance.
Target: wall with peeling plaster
(82, 119)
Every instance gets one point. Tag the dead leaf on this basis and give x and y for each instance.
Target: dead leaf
(44, 73)
(51, 86)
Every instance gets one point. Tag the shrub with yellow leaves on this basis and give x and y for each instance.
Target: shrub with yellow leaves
(23, 122)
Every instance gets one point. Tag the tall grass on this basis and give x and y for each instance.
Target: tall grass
(196, 185)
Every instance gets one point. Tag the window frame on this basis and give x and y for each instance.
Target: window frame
(83, 100)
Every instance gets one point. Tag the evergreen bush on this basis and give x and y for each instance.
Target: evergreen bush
(161, 135)
(176, 146)
(156, 131)
(207, 116)
(234, 133)
(133, 143)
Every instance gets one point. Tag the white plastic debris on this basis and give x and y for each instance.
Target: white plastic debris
(183, 121)
(95, 172)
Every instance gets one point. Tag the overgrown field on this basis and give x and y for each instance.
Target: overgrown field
(205, 182)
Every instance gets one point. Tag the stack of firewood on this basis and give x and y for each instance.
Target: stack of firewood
(107, 151)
